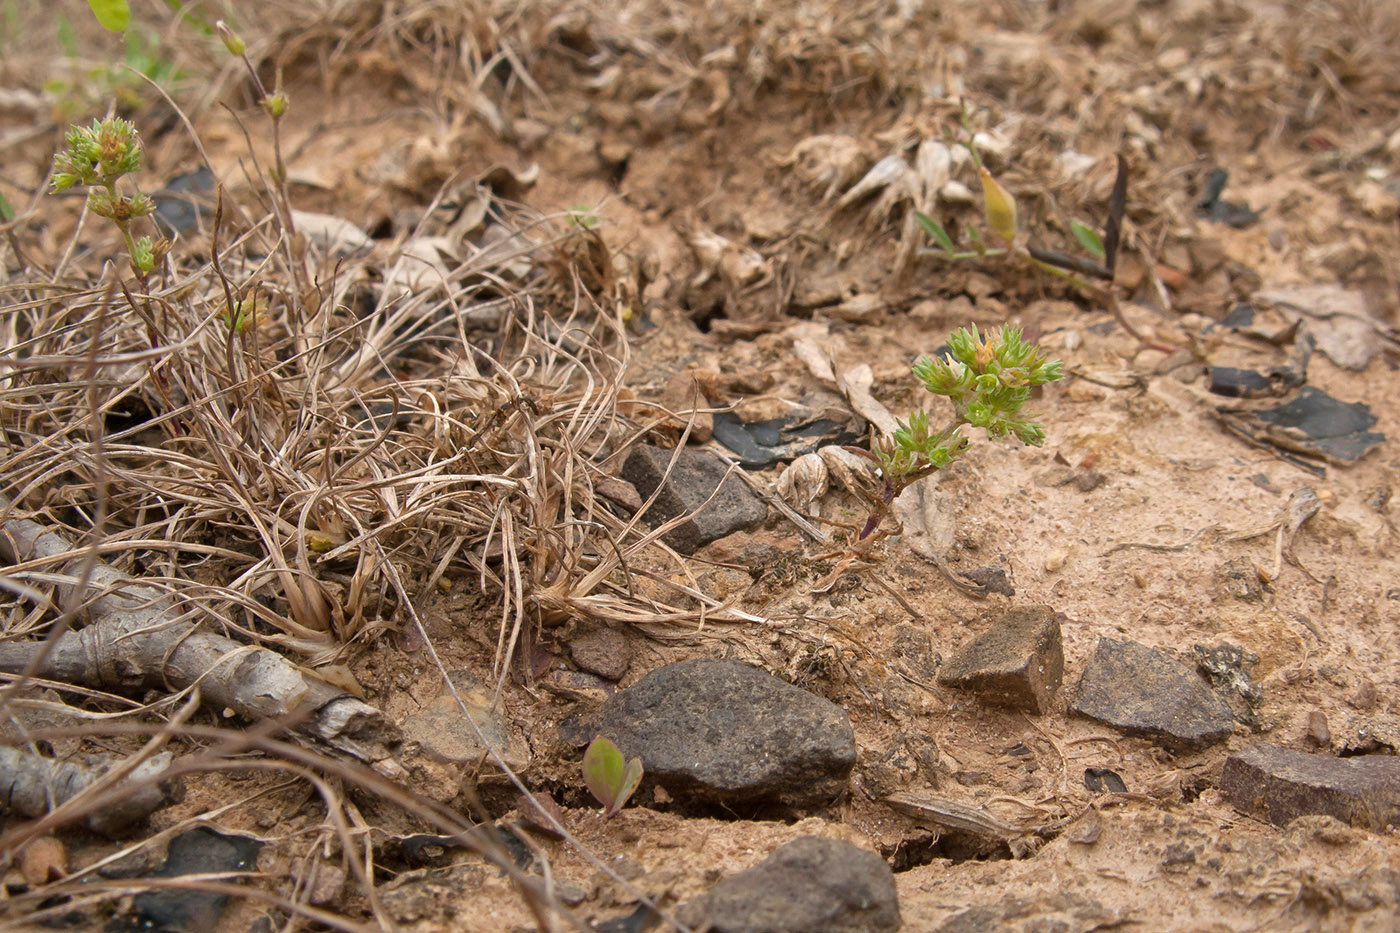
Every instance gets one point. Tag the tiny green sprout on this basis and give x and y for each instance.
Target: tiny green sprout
(112, 15)
(244, 316)
(1088, 238)
(97, 156)
(607, 777)
(581, 215)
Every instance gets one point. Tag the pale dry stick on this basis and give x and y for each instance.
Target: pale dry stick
(137, 637)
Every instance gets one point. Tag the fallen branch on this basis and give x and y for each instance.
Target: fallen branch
(138, 638)
(32, 785)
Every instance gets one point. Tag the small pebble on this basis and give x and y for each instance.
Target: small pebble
(1318, 733)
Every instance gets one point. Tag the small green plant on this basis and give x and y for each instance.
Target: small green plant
(1092, 274)
(610, 780)
(98, 156)
(988, 379)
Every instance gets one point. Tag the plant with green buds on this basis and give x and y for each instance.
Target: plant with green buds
(97, 156)
(1092, 274)
(988, 378)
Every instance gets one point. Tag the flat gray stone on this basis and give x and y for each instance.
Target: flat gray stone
(726, 732)
(443, 732)
(810, 885)
(1143, 691)
(1280, 785)
(696, 475)
(1018, 662)
(1062, 913)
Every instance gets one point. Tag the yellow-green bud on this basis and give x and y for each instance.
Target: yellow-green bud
(231, 40)
(1000, 206)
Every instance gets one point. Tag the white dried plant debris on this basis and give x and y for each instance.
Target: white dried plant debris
(828, 161)
(849, 470)
(957, 193)
(1074, 166)
(333, 236)
(419, 267)
(1346, 332)
(934, 165)
(504, 252)
(855, 385)
(737, 265)
(803, 483)
(995, 143)
(890, 173)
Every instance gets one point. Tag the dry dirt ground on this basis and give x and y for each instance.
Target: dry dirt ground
(680, 167)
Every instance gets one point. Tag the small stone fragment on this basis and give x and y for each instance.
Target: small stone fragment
(1142, 691)
(1238, 579)
(42, 861)
(600, 649)
(696, 475)
(810, 885)
(444, 732)
(537, 808)
(1318, 732)
(1280, 785)
(1019, 662)
(727, 732)
(684, 398)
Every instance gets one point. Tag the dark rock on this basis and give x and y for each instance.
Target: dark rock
(1144, 692)
(696, 475)
(1228, 667)
(1281, 785)
(723, 731)
(199, 851)
(1019, 662)
(810, 885)
(600, 649)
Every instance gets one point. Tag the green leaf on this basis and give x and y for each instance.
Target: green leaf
(1088, 238)
(935, 230)
(610, 780)
(114, 15)
(7, 210)
(631, 779)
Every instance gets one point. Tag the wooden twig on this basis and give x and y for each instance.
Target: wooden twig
(32, 785)
(139, 638)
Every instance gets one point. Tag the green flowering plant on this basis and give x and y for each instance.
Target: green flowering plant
(97, 156)
(988, 378)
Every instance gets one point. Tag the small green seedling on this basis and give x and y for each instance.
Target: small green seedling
(1092, 274)
(987, 378)
(607, 777)
(97, 156)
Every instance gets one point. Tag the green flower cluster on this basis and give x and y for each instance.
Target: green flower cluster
(97, 156)
(988, 379)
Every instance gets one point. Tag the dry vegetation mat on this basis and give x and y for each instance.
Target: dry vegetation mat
(417, 422)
